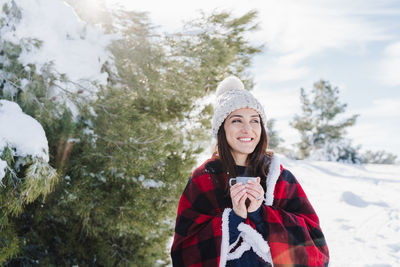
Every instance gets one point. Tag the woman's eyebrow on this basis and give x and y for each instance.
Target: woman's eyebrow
(240, 116)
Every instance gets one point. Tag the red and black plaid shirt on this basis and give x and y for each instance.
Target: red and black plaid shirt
(291, 226)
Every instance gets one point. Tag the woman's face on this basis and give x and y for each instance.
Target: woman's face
(243, 130)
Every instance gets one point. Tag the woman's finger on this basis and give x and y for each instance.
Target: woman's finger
(238, 196)
(236, 188)
(254, 195)
(255, 184)
(252, 198)
(242, 200)
(256, 190)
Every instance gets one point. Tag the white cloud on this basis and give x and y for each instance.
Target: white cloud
(281, 105)
(296, 31)
(314, 25)
(283, 68)
(374, 135)
(385, 108)
(389, 67)
(378, 125)
(278, 104)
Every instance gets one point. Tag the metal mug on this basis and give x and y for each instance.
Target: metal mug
(241, 179)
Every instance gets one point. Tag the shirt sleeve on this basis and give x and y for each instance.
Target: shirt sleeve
(234, 221)
(256, 218)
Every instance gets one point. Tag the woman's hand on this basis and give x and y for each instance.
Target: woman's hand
(255, 193)
(239, 196)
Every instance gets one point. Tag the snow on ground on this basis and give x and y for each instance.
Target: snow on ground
(22, 132)
(359, 209)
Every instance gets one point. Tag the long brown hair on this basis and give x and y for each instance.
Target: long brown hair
(257, 162)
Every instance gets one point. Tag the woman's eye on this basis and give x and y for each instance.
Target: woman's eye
(235, 121)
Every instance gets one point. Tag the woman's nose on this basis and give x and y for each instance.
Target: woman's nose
(246, 127)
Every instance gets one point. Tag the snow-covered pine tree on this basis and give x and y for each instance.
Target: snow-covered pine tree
(48, 67)
(138, 143)
(320, 126)
(125, 155)
(25, 174)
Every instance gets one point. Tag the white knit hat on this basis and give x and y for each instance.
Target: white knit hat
(231, 96)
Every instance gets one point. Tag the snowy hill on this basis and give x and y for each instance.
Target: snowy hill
(359, 209)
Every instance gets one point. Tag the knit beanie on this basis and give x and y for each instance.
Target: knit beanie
(231, 96)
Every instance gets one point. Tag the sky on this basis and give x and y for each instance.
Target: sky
(355, 45)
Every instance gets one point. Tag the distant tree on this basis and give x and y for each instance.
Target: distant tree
(348, 153)
(379, 157)
(274, 139)
(319, 124)
(340, 150)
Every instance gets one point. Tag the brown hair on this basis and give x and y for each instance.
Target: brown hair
(257, 162)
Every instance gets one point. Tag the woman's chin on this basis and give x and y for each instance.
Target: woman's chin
(245, 152)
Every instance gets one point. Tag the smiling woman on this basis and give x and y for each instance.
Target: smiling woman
(266, 222)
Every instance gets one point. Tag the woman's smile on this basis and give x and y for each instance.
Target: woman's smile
(245, 139)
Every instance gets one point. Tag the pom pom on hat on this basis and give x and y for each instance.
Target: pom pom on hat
(229, 83)
(231, 96)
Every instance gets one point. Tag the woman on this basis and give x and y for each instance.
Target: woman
(269, 222)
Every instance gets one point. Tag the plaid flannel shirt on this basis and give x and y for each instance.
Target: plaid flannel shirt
(291, 237)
